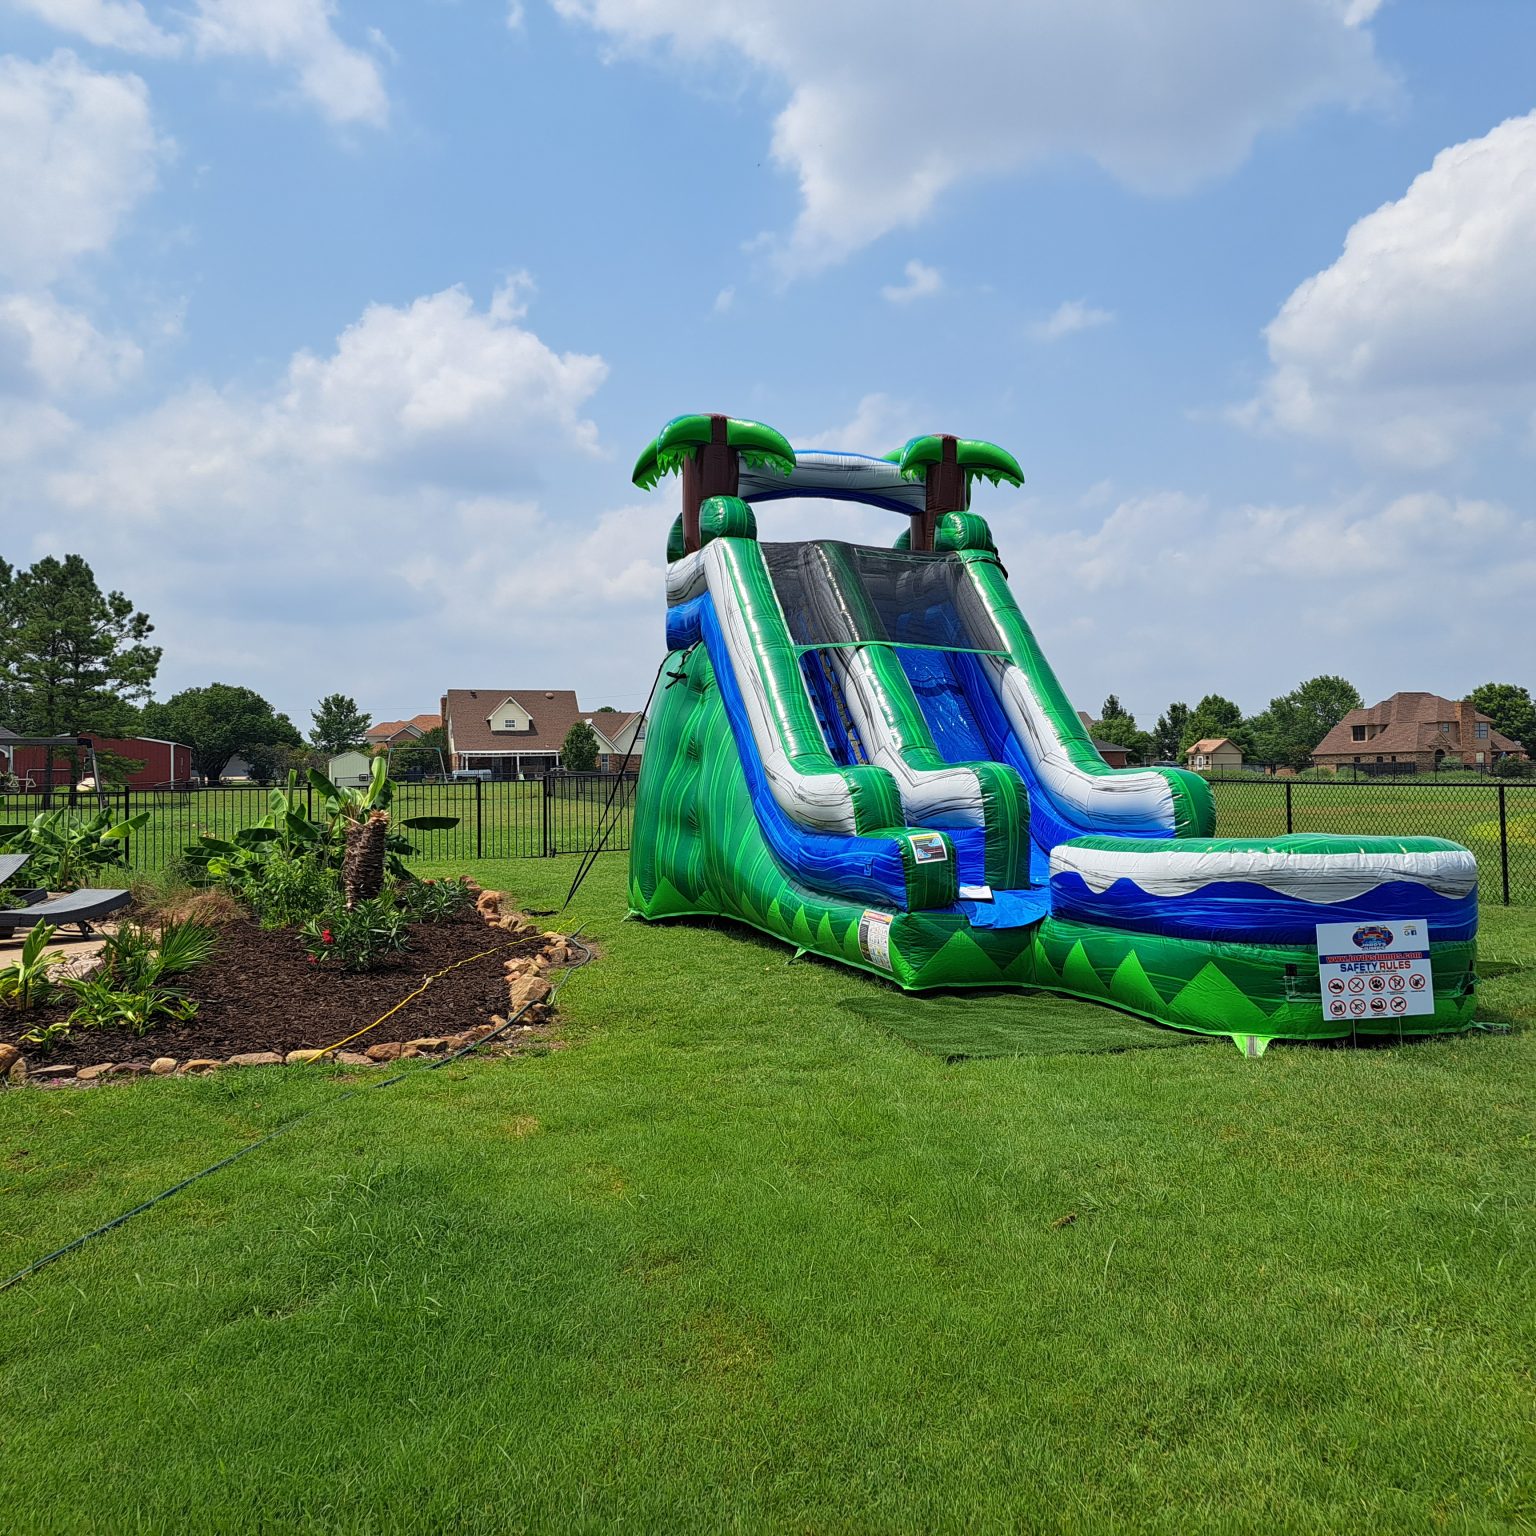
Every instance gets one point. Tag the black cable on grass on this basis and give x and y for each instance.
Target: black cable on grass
(589, 858)
(288, 1125)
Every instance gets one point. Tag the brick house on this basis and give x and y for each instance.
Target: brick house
(1115, 756)
(401, 733)
(518, 733)
(1417, 732)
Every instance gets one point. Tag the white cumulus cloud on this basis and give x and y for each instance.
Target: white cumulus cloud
(46, 346)
(1170, 595)
(922, 282)
(78, 150)
(299, 35)
(1420, 340)
(1069, 316)
(892, 102)
(123, 24)
(387, 502)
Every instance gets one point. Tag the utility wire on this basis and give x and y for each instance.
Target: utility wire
(604, 825)
(298, 1120)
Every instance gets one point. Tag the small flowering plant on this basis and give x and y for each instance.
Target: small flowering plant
(356, 939)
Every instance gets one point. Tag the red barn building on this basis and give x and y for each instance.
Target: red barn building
(165, 762)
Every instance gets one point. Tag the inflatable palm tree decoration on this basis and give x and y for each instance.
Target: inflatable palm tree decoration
(948, 467)
(709, 451)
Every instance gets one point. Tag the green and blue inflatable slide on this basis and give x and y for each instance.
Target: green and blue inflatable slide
(862, 751)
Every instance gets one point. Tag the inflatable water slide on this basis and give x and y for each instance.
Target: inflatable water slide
(862, 751)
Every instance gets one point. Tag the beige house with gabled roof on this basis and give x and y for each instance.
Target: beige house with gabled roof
(518, 733)
(1214, 754)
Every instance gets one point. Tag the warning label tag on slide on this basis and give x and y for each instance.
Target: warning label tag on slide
(928, 847)
(875, 938)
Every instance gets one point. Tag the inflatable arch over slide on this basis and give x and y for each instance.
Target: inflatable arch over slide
(862, 751)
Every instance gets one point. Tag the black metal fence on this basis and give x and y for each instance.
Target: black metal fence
(1495, 819)
(568, 813)
(501, 819)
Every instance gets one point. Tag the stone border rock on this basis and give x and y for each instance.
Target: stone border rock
(528, 990)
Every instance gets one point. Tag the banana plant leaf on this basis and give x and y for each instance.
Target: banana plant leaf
(759, 446)
(429, 823)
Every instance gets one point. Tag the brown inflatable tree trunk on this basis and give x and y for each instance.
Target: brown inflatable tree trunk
(362, 868)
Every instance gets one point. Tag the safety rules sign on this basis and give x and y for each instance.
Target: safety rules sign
(1375, 970)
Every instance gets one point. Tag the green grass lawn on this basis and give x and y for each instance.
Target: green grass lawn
(742, 1257)
(1467, 812)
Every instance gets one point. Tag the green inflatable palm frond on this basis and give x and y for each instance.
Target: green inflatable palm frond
(759, 446)
(978, 459)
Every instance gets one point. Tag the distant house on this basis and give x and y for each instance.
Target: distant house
(400, 733)
(1115, 756)
(1214, 754)
(620, 734)
(518, 733)
(351, 768)
(1416, 731)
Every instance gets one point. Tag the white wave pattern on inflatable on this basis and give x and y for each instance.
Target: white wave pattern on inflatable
(1171, 870)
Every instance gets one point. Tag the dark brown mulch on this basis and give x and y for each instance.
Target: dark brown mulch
(260, 993)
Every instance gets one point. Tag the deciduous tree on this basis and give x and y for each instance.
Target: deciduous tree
(338, 724)
(1510, 708)
(578, 752)
(217, 722)
(1288, 731)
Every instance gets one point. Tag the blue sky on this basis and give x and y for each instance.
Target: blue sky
(329, 332)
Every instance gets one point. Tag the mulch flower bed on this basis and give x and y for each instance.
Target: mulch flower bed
(260, 996)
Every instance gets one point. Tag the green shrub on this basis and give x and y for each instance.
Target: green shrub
(1514, 768)
(434, 901)
(281, 889)
(100, 1005)
(359, 938)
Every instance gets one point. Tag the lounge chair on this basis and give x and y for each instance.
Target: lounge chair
(10, 864)
(79, 907)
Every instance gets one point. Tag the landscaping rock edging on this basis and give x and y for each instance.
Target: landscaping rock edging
(528, 990)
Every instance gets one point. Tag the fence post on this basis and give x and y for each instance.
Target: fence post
(127, 841)
(1288, 824)
(548, 851)
(479, 819)
(1504, 843)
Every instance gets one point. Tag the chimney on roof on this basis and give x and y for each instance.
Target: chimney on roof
(1466, 723)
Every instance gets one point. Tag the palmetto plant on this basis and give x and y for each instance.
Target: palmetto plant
(136, 957)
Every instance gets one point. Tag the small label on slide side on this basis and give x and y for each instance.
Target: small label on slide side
(975, 893)
(875, 938)
(928, 847)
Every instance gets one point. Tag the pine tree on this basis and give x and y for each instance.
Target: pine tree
(72, 658)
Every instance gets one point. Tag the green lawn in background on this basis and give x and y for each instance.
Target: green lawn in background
(743, 1258)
